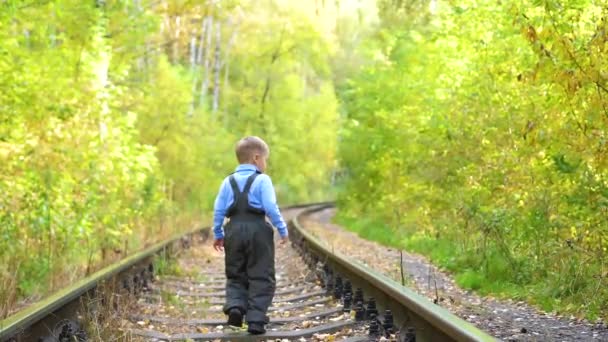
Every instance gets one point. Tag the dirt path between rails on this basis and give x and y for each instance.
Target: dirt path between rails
(505, 319)
(191, 300)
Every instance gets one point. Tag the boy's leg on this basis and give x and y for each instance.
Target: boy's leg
(260, 271)
(236, 268)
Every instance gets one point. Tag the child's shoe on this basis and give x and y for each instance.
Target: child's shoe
(256, 328)
(235, 318)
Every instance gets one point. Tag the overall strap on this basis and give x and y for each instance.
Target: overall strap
(240, 208)
(250, 182)
(235, 187)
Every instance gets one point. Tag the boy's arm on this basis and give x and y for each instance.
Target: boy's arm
(219, 211)
(269, 204)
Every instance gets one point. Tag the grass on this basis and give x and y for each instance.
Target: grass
(30, 274)
(8, 291)
(172, 299)
(103, 313)
(167, 265)
(487, 274)
(372, 230)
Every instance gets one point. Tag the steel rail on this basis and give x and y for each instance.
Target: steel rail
(430, 321)
(27, 317)
(35, 312)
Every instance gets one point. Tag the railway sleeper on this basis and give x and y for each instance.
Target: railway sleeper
(153, 298)
(350, 302)
(242, 336)
(196, 286)
(220, 321)
(409, 317)
(364, 311)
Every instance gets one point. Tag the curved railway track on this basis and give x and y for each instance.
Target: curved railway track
(321, 296)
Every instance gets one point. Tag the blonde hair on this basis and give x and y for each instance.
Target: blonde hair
(247, 147)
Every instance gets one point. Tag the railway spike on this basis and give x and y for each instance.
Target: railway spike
(125, 284)
(348, 301)
(359, 312)
(371, 308)
(410, 335)
(144, 280)
(319, 274)
(186, 242)
(136, 284)
(358, 295)
(325, 273)
(338, 288)
(67, 330)
(348, 287)
(329, 283)
(374, 329)
(81, 336)
(388, 323)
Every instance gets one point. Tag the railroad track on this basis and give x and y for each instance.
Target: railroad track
(321, 296)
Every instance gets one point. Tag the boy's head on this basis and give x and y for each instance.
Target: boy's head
(252, 150)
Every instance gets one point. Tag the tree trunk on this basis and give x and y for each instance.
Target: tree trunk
(201, 46)
(226, 63)
(196, 59)
(206, 65)
(192, 52)
(175, 54)
(218, 65)
(273, 58)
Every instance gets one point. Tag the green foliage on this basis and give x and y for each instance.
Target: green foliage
(481, 126)
(111, 138)
(275, 85)
(166, 265)
(470, 280)
(76, 182)
(372, 230)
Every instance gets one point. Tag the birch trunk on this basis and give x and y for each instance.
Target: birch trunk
(226, 64)
(196, 58)
(206, 65)
(201, 47)
(227, 52)
(216, 86)
(275, 56)
(192, 52)
(192, 67)
(175, 45)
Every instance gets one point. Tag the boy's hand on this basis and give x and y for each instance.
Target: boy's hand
(218, 245)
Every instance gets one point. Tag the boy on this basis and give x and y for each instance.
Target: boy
(246, 197)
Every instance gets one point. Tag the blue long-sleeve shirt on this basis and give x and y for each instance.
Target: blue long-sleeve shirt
(261, 196)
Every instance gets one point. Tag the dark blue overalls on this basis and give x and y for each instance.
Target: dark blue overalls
(249, 256)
